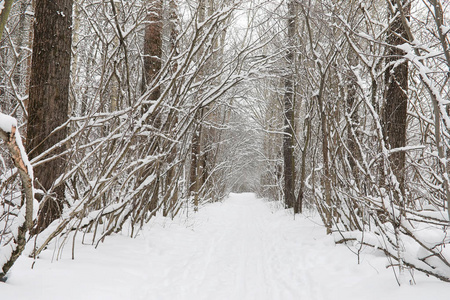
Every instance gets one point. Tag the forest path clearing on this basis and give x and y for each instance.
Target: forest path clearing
(239, 249)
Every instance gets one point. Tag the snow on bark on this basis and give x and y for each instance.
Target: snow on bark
(16, 216)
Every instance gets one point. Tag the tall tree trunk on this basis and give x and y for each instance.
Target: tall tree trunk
(395, 111)
(396, 94)
(298, 207)
(326, 160)
(49, 98)
(352, 84)
(196, 158)
(171, 177)
(195, 175)
(152, 66)
(288, 145)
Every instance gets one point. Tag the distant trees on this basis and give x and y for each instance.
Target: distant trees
(370, 124)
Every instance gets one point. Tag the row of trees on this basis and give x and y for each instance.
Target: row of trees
(131, 108)
(364, 110)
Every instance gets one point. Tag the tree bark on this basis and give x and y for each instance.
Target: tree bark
(396, 94)
(288, 145)
(152, 66)
(153, 47)
(196, 147)
(195, 171)
(49, 98)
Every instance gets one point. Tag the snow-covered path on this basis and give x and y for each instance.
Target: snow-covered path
(239, 249)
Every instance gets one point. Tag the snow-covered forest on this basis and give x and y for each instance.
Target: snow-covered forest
(117, 114)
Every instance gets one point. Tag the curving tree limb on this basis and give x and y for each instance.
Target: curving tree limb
(15, 148)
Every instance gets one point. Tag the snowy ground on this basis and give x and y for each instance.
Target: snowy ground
(242, 248)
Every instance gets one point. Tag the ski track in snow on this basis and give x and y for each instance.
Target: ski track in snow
(238, 249)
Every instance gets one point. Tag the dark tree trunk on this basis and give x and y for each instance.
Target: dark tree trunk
(326, 159)
(152, 66)
(196, 157)
(171, 178)
(195, 152)
(195, 169)
(153, 47)
(288, 145)
(396, 95)
(49, 97)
